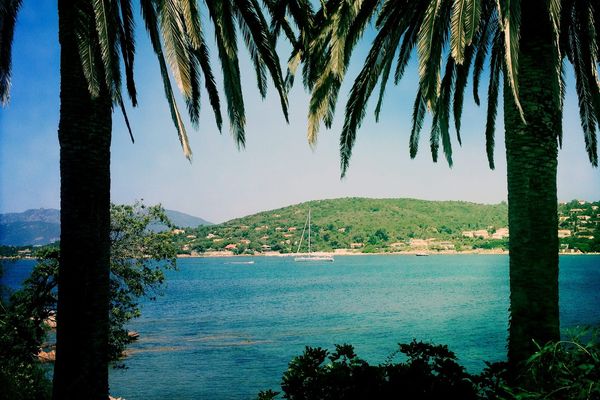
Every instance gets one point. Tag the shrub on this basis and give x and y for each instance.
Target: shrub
(429, 372)
(568, 369)
(565, 370)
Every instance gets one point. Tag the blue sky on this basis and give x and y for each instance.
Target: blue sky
(276, 169)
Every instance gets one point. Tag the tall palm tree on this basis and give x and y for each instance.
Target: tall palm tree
(96, 36)
(525, 44)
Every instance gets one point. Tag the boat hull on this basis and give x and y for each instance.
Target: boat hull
(314, 259)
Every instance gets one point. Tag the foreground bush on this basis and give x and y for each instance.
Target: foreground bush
(567, 370)
(429, 372)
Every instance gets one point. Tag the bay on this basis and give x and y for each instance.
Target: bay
(224, 330)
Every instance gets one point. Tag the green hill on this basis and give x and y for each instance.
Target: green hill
(366, 225)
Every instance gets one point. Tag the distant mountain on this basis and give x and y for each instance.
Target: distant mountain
(49, 215)
(42, 226)
(185, 220)
(32, 227)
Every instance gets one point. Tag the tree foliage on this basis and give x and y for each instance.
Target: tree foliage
(139, 259)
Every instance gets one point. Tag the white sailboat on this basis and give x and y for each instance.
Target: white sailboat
(309, 257)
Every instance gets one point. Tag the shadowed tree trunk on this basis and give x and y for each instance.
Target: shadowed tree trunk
(531, 153)
(81, 369)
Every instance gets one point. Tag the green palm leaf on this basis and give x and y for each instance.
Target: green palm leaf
(329, 45)
(191, 18)
(175, 44)
(8, 18)
(472, 22)
(127, 42)
(222, 16)
(408, 44)
(492, 108)
(151, 21)
(458, 28)
(419, 109)
(88, 51)
(586, 77)
(462, 74)
(105, 14)
(202, 55)
(383, 49)
(257, 28)
(510, 22)
(427, 49)
(440, 127)
(489, 26)
(431, 40)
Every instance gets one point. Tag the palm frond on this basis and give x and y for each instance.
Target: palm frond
(473, 20)
(191, 17)
(257, 27)
(105, 14)
(151, 22)
(387, 67)
(383, 48)
(225, 35)
(329, 58)
(509, 15)
(563, 90)
(277, 10)
(359, 23)
(489, 21)
(595, 16)
(426, 48)
(462, 74)
(458, 28)
(260, 67)
(88, 50)
(440, 127)
(175, 44)
(127, 41)
(493, 89)
(586, 78)
(202, 55)
(431, 40)
(124, 112)
(409, 41)
(419, 109)
(193, 102)
(8, 18)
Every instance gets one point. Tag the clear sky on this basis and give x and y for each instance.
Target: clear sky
(276, 169)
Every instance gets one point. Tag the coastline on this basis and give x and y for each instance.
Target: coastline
(345, 252)
(342, 252)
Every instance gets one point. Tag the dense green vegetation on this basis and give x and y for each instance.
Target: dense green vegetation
(422, 371)
(370, 224)
(380, 225)
(374, 225)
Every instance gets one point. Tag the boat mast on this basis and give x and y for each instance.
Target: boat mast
(309, 231)
(303, 230)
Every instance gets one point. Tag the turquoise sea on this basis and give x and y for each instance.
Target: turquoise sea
(224, 330)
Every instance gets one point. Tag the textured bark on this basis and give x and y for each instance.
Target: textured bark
(81, 369)
(531, 153)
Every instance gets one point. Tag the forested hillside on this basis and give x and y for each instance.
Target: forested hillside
(366, 225)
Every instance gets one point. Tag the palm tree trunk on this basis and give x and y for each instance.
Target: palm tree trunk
(81, 369)
(531, 154)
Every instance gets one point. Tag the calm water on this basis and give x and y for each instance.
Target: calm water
(226, 331)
